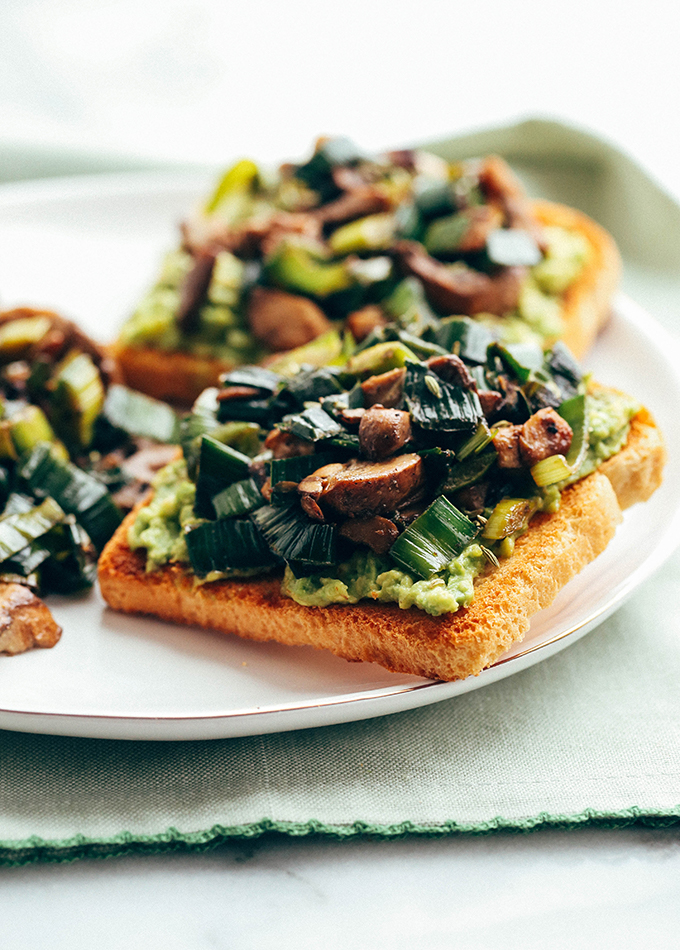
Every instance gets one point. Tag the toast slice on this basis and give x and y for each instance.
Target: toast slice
(179, 377)
(453, 646)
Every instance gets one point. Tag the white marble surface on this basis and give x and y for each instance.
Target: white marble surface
(557, 890)
(205, 80)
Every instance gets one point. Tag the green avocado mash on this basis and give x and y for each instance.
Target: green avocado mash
(221, 333)
(159, 526)
(365, 575)
(609, 416)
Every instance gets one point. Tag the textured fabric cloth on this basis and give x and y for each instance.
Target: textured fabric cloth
(590, 735)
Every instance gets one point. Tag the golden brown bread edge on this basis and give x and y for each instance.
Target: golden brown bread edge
(554, 549)
(180, 377)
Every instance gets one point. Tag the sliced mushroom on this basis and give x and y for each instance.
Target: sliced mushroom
(387, 389)
(544, 434)
(238, 392)
(284, 321)
(482, 220)
(383, 431)
(362, 322)
(377, 533)
(285, 445)
(457, 288)
(361, 489)
(193, 289)
(451, 369)
(489, 400)
(500, 184)
(357, 203)
(148, 460)
(25, 621)
(506, 443)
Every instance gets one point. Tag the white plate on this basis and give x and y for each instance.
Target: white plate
(88, 247)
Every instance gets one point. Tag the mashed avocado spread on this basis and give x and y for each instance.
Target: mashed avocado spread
(161, 525)
(365, 575)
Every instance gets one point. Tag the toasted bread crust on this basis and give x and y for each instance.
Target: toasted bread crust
(453, 646)
(174, 377)
(180, 377)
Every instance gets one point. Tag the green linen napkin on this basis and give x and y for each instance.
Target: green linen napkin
(589, 736)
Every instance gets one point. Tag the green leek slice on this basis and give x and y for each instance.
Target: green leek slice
(140, 415)
(509, 515)
(437, 405)
(77, 492)
(372, 233)
(19, 530)
(292, 536)
(77, 400)
(575, 412)
(436, 537)
(18, 336)
(550, 471)
(312, 425)
(465, 337)
(226, 545)
(219, 467)
(294, 267)
(238, 499)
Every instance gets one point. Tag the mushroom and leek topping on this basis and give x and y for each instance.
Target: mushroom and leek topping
(70, 436)
(398, 473)
(270, 261)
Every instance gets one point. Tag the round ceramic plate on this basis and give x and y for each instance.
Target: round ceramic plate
(88, 248)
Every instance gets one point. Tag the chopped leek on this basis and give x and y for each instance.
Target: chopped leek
(408, 306)
(27, 427)
(478, 441)
(444, 235)
(294, 267)
(470, 470)
(18, 530)
(238, 499)
(381, 358)
(550, 471)
(296, 539)
(316, 173)
(575, 412)
(219, 467)
(446, 408)
(77, 400)
(77, 492)
(254, 376)
(312, 424)
(140, 415)
(461, 335)
(509, 516)
(240, 179)
(18, 336)
(226, 545)
(436, 537)
(372, 233)
(523, 360)
(325, 350)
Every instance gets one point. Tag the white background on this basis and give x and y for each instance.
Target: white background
(207, 81)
